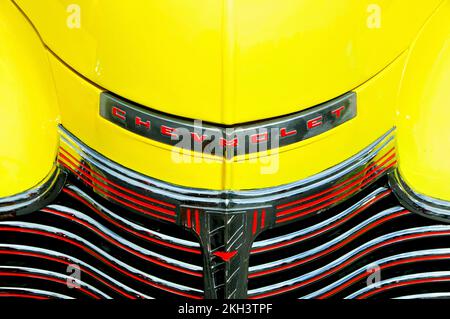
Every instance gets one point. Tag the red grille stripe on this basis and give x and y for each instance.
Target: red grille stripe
(151, 239)
(116, 185)
(36, 255)
(35, 276)
(115, 242)
(325, 229)
(346, 263)
(115, 198)
(335, 200)
(263, 219)
(91, 252)
(352, 186)
(17, 295)
(385, 266)
(112, 190)
(331, 249)
(338, 185)
(255, 222)
(197, 222)
(189, 218)
(403, 284)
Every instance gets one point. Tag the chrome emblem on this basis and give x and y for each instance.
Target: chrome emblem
(228, 141)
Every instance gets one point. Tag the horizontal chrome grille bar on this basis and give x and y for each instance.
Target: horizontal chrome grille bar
(49, 231)
(432, 295)
(156, 190)
(73, 215)
(21, 292)
(291, 261)
(349, 258)
(130, 226)
(291, 238)
(428, 277)
(11, 271)
(53, 255)
(138, 237)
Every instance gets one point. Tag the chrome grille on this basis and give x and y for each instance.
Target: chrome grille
(118, 253)
(136, 237)
(333, 253)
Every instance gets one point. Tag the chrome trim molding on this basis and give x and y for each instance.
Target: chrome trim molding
(129, 224)
(225, 200)
(401, 279)
(64, 257)
(362, 270)
(126, 224)
(418, 203)
(292, 259)
(146, 278)
(431, 295)
(77, 216)
(30, 292)
(225, 222)
(36, 198)
(63, 279)
(316, 227)
(432, 230)
(147, 123)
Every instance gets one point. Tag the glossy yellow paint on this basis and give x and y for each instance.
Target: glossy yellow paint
(28, 136)
(228, 61)
(376, 104)
(79, 102)
(424, 111)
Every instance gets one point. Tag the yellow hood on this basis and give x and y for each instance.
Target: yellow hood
(227, 61)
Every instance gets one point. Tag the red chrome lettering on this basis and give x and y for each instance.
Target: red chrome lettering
(287, 129)
(315, 122)
(198, 138)
(258, 138)
(139, 122)
(337, 112)
(234, 142)
(168, 131)
(285, 133)
(119, 113)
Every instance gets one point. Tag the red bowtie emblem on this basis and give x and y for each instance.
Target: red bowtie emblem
(225, 256)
